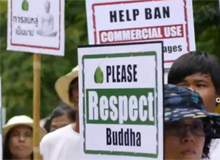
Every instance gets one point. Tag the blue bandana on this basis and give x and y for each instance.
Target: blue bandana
(183, 102)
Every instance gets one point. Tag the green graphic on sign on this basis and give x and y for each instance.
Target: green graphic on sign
(25, 5)
(98, 76)
(122, 107)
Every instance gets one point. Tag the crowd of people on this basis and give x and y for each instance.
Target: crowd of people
(190, 124)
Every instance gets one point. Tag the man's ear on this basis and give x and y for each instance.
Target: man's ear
(217, 108)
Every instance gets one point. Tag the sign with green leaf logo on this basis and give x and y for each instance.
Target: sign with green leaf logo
(121, 99)
(36, 26)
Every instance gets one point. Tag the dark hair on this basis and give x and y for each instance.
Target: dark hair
(6, 151)
(208, 139)
(47, 125)
(206, 148)
(195, 62)
(70, 91)
(61, 110)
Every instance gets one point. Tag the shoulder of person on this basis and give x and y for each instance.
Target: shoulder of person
(55, 134)
(64, 133)
(214, 149)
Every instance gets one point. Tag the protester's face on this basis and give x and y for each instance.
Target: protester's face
(75, 94)
(203, 84)
(187, 146)
(20, 142)
(59, 122)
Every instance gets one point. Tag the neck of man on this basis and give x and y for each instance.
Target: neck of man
(77, 122)
(17, 158)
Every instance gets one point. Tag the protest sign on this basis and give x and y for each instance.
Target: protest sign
(121, 94)
(36, 26)
(120, 21)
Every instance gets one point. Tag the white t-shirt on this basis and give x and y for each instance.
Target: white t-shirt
(215, 150)
(62, 144)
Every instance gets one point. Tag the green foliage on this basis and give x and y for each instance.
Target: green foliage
(17, 69)
(207, 28)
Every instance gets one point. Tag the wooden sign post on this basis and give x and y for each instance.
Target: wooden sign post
(36, 103)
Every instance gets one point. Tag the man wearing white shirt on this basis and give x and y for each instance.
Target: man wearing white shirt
(64, 143)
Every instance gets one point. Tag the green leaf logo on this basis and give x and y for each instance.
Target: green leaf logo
(98, 76)
(25, 5)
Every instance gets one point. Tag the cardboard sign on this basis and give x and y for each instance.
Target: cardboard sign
(36, 26)
(114, 21)
(122, 113)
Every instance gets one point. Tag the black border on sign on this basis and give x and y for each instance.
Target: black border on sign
(119, 44)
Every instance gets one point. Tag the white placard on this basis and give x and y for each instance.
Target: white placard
(36, 26)
(124, 21)
(121, 91)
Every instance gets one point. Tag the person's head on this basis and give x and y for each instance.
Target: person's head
(67, 88)
(62, 116)
(188, 128)
(47, 124)
(74, 92)
(200, 71)
(18, 138)
(47, 6)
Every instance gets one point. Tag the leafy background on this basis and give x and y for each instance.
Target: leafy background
(17, 71)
